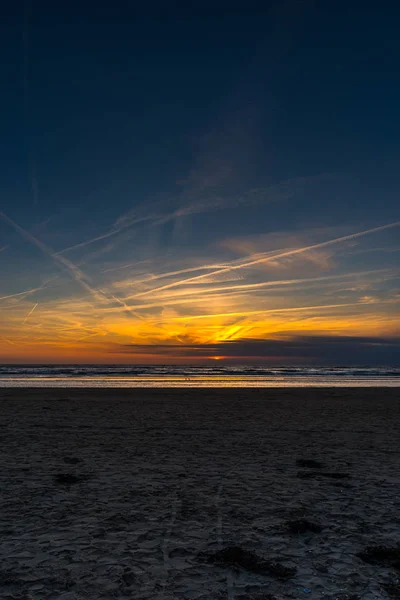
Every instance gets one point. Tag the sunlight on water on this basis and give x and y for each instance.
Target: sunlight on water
(196, 382)
(189, 376)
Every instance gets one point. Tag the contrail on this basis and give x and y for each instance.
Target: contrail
(155, 277)
(104, 236)
(129, 283)
(195, 208)
(263, 284)
(25, 293)
(30, 312)
(140, 262)
(277, 310)
(26, 100)
(8, 341)
(72, 269)
(59, 260)
(30, 291)
(162, 218)
(265, 259)
(127, 308)
(197, 297)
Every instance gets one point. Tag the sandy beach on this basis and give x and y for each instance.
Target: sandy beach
(140, 494)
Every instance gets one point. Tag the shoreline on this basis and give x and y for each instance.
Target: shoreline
(149, 382)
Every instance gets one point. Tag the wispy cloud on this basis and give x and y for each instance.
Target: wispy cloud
(205, 299)
(266, 258)
(267, 311)
(199, 198)
(192, 292)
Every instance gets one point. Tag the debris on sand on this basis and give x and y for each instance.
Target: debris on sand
(235, 556)
(302, 526)
(382, 555)
(66, 479)
(313, 474)
(309, 463)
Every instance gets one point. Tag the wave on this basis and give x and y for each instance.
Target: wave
(245, 371)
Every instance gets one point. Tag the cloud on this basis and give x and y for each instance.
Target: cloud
(194, 290)
(338, 350)
(199, 199)
(195, 307)
(267, 257)
(202, 200)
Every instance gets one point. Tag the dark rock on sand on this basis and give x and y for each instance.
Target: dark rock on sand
(7, 577)
(128, 576)
(261, 595)
(302, 526)
(314, 474)
(382, 555)
(66, 479)
(309, 463)
(71, 460)
(235, 556)
(336, 475)
(393, 589)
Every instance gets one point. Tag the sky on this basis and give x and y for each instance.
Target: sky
(192, 182)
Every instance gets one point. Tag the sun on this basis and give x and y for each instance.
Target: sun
(217, 357)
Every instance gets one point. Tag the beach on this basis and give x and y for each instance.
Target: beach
(135, 494)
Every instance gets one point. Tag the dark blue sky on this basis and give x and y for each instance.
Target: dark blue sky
(179, 127)
(110, 99)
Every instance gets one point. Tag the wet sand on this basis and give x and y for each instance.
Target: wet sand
(130, 494)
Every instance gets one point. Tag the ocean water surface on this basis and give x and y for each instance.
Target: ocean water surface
(125, 376)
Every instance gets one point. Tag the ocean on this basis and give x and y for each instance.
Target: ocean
(137, 376)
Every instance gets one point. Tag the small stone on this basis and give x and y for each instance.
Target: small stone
(321, 568)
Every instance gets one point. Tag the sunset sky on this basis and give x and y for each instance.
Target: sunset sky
(184, 184)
